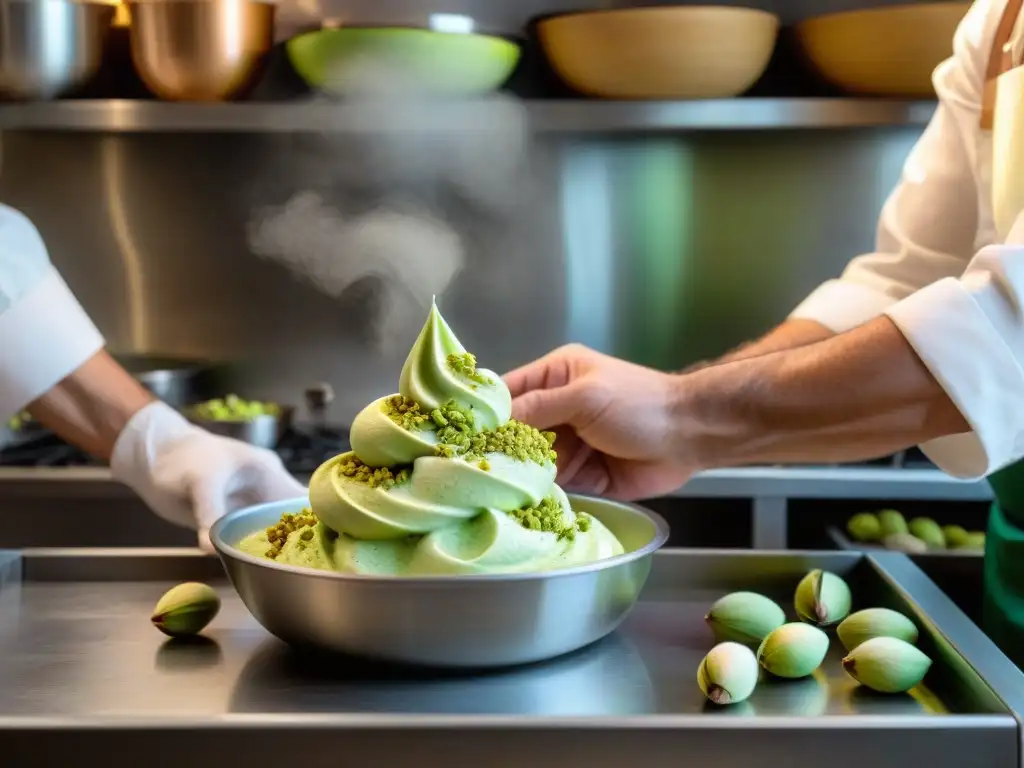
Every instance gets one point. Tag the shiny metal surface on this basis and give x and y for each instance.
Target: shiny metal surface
(461, 621)
(176, 381)
(548, 116)
(50, 47)
(83, 669)
(263, 431)
(200, 50)
(664, 250)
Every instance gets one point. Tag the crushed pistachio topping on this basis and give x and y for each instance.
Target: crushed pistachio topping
(548, 516)
(513, 438)
(464, 365)
(406, 413)
(278, 533)
(484, 464)
(453, 423)
(375, 477)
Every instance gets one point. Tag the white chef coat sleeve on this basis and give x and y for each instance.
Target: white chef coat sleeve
(45, 335)
(928, 227)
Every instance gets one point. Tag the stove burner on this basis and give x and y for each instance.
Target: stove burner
(302, 449)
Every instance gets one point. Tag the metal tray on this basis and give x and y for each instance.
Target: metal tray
(843, 541)
(82, 671)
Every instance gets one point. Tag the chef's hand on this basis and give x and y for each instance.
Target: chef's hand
(192, 477)
(617, 423)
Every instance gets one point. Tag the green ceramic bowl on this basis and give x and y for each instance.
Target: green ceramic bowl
(335, 60)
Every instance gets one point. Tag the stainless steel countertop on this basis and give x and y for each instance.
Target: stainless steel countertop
(79, 661)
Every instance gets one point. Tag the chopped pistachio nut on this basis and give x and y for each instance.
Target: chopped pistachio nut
(484, 464)
(454, 424)
(465, 365)
(376, 477)
(513, 438)
(406, 413)
(278, 533)
(548, 516)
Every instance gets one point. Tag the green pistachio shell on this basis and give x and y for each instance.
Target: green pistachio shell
(928, 531)
(744, 617)
(822, 598)
(892, 522)
(904, 542)
(870, 623)
(955, 536)
(865, 527)
(887, 665)
(793, 650)
(975, 540)
(186, 609)
(728, 674)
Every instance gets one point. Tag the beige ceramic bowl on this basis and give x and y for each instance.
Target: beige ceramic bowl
(693, 52)
(882, 51)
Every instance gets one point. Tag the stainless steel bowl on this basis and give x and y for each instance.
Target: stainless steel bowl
(445, 621)
(262, 431)
(50, 47)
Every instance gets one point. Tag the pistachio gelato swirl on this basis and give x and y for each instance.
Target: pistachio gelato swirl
(440, 480)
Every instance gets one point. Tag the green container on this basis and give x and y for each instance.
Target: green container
(343, 60)
(1008, 488)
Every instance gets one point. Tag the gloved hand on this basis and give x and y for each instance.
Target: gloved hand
(192, 477)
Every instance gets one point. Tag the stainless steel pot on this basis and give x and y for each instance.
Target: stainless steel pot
(50, 47)
(448, 621)
(179, 382)
(263, 431)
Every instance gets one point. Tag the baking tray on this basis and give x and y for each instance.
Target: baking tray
(83, 672)
(841, 540)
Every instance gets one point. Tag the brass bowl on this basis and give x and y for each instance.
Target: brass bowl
(200, 50)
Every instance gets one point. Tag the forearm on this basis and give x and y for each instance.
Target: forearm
(858, 395)
(789, 335)
(90, 407)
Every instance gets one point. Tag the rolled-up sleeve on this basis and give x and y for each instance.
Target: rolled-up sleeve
(45, 334)
(970, 334)
(928, 227)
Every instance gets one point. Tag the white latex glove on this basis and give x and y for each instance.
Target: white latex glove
(192, 477)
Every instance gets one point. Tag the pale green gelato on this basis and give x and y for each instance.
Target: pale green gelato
(440, 480)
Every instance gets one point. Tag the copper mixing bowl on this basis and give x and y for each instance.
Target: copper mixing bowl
(200, 50)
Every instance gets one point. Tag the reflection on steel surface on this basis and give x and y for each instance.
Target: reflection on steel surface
(241, 695)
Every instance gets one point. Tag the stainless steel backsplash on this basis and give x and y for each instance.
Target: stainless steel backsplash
(662, 250)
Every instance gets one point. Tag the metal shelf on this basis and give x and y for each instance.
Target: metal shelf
(548, 116)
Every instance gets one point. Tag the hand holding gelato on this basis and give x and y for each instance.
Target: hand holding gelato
(440, 480)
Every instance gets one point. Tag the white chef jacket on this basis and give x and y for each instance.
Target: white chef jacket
(44, 332)
(941, 274)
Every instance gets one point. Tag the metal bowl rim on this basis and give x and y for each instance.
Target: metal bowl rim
(227, 551)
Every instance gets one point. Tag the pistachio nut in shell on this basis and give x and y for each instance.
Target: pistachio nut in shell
(887, 665)
(864, 625)
(904, 542)
(864, 527)
(892, 522)
(955, 535)
(728, 674)
(744, 617)
(186, 609)
(793, 650)
(822, 598)
(975, 540)
(928, 531)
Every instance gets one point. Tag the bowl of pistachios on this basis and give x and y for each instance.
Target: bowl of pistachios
(252, 421)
